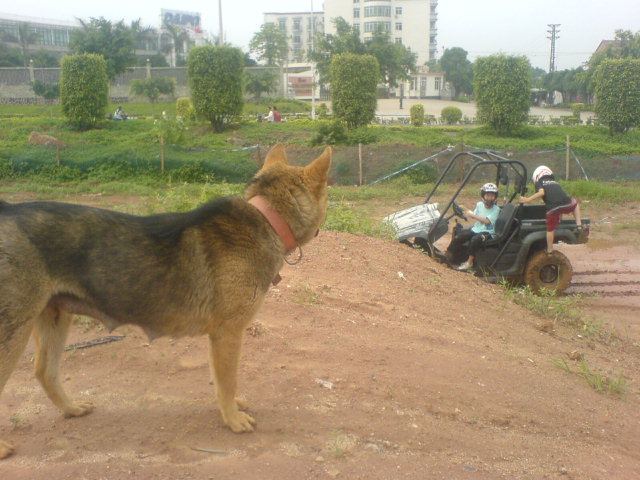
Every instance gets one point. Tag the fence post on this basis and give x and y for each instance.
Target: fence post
(568, 159)
(360, 162)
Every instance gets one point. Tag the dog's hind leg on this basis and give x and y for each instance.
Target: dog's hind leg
(224, 352)
(50, 335)
(14, 336)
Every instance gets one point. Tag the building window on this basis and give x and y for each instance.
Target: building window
(296, 24)
(297, 39)
(436, 84)
(398, 40)
(377, 26)
(398, 26)
(282, 24)
(377, 11)
(398, 10)
(356, 13)
(356, 1)
(356, 27)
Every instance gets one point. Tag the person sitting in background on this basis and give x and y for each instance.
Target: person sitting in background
(276, 115)
(119, 114)
(270, 115)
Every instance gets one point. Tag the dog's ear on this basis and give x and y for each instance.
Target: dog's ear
(319, 168)
(275, 155)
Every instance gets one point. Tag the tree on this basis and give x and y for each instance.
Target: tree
(152, 88)
(84, 89)
(354, 80)
(25, 37)
(625, 45)
(269, 45)
(618, 94)
(345, 40)
(396, 60)
(9, 57)
(502, 89)
(260, 82)
(43, 59)
(458, 70)
(116, 43)
(215, 78)
(179, 41)
(569, 83)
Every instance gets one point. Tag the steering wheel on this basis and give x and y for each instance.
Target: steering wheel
(457, 210)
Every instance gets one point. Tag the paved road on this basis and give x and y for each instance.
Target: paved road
(391, 107)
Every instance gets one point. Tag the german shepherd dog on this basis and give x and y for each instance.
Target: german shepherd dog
(175, 274)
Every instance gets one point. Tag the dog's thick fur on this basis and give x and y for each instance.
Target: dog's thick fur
(176, 274)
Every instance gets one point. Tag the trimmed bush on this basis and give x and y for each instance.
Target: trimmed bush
(417, 114)
(84, 89)
(354, 80)
(451, 115)
(618, 94)
(215, 78)
(501, 85)
(184, 109)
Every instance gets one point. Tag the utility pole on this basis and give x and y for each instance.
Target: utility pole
(220, 33)
(553, 37)
(313, 67)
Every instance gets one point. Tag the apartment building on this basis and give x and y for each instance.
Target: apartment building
(300, 28)
(410, 22)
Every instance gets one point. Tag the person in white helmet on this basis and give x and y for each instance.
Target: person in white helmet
(485, 214)
(556, 200)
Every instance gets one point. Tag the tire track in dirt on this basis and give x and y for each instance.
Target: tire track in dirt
(610, 279)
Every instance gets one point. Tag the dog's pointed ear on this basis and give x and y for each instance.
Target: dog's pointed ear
(319, 168)
(275, 155)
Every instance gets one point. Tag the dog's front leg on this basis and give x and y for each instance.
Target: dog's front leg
(50, 335)
(224, 354)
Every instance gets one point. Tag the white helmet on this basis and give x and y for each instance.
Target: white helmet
(488, 188)
(541, 171)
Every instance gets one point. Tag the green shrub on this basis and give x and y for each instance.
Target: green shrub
(152, 88)
(322, 111)
(417, 114)
(501, 87)
(354, 79)
(84, 89)
(618, 94)
(329, 133)
(451, 115)
(184, 109)
(215, 78)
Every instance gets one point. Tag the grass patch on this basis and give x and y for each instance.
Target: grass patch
(345, 218)
(615, 386)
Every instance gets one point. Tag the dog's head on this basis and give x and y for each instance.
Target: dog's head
(299, 194)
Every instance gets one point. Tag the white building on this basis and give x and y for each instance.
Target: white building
(300, 28)
(410, 22)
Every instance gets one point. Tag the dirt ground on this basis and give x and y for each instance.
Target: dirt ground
(368, 361)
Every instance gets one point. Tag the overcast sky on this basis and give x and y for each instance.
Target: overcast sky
(480, 27)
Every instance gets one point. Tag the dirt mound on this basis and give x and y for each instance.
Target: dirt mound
(368, 360)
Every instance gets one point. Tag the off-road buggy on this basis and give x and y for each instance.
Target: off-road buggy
(517, 253)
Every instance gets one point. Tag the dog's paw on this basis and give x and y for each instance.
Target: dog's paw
(6, 449)
(240, 422)
(78, 409)
(242, 404)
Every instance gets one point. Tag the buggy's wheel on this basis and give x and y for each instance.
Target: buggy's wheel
(549, 271)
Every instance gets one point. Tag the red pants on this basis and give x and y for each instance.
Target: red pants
(555, 214)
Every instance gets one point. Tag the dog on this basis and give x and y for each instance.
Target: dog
(203, 272)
